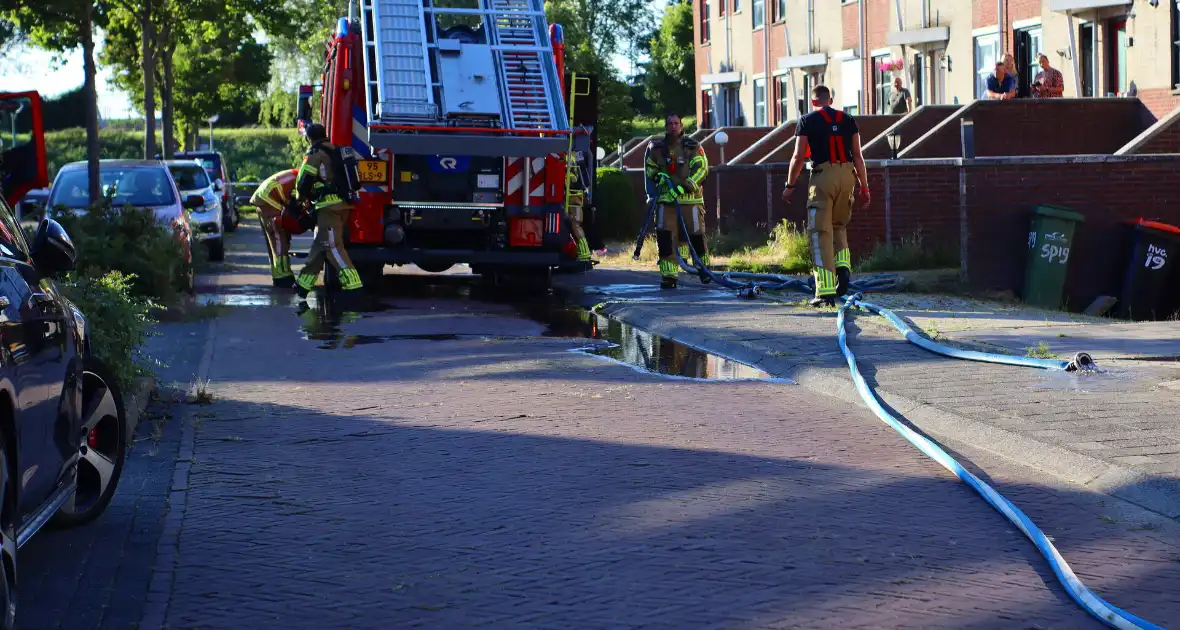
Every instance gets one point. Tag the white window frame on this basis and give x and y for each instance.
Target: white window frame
(782, 87)
(850, 83)
(986, 52)
(1175, 47)
(881, 89)
(758, 12)
(760, 106)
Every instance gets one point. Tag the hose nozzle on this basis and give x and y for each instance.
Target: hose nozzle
(1081, 362)
(750, 293)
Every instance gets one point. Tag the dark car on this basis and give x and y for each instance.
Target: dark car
(63, 431)
(214, 164)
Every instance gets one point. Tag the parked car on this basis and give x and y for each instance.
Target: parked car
(63, 428)
(191, 179)
(218, 171)
(139, 183)
(31, 208)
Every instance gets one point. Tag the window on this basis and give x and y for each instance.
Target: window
(987, 53)
(705, 8)
(1175, 43)
(737, 6)
(707, 110)
(721, 7)
(189, 177)
(850, 86)
(782, 111)
(882, 84)
(759, 102)
(780, 10)
(138, 186)
(1117, 82)
(759, 13)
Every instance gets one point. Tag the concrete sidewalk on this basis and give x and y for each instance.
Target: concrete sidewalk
(1117, 432)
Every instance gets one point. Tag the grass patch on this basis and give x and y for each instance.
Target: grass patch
(908, 255)
(784, 250)
(1039, 351)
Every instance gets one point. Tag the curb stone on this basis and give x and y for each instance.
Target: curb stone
(1161, 496)
(137, 402)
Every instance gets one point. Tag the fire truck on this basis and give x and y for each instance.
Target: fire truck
(23, 166)
(472, 142)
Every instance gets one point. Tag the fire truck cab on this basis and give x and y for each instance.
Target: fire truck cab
(467, 149)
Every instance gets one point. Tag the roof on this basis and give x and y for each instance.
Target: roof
(197, 153)
(82, 164)
(182, 162)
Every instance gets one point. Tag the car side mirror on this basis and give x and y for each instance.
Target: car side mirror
(218, 185)
(52, 251)
(192, 202)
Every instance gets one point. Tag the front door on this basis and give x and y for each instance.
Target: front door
(1087, 43)
(1028, 46)
(938, 77)
(919, 87)
(1116, 57)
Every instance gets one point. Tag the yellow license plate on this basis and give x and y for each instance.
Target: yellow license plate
(374, 171)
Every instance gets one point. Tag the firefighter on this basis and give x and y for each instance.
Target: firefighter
(831, 139)
(272, 195)
(675, 167)
(575, 211)
(316, 186)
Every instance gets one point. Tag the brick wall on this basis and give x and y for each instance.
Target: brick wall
(780, 153)
(1160, 101)
(914, 126)
(1001, 195)
(879, 16)
(740, 139)
(873, 126)
(1040, 127)
(848, 24)
(772, 140)
(983, 14)
(634, 157)
(1162, 137)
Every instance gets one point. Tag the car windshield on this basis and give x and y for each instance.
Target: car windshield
(210, 165)
(137, 186)
(189, 176)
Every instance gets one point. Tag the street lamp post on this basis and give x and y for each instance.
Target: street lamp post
(212, 119)
(721, 138)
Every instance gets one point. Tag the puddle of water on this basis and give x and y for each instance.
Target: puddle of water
(1102, 380)
(245, 299)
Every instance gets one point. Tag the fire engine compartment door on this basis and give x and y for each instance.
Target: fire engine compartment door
(470, 85)
(22, 145)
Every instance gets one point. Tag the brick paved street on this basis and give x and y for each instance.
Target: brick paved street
(382, 474)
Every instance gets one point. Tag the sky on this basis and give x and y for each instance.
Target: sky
(31, 69)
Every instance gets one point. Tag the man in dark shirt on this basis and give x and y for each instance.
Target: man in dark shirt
(832, 140)
(1001, 86)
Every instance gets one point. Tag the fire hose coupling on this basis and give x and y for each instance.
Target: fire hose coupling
(1081, 362)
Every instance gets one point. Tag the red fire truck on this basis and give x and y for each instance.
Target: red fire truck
(22, 145)
(467, 150)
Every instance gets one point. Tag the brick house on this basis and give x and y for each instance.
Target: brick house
(757, 59)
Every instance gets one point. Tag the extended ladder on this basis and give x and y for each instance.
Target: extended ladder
(525, 62)
(394, 33)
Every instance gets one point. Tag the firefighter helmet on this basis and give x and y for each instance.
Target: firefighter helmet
(316, 132)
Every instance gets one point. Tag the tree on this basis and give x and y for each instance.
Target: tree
(670, 80)
(62, 26)
(65, 110)
(593, 32)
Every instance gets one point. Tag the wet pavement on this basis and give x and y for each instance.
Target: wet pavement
(446, 456)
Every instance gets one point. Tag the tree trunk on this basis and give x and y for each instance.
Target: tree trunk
(169, 111)
(149, 82)
(91, 93)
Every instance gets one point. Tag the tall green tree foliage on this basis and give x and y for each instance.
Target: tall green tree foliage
(594, 31)
(670, 80)
(64, 26)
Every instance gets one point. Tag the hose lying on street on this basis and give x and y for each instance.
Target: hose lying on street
(1091, 603)
(756, 283)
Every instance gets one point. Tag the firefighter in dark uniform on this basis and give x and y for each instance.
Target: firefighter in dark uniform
(832, 140)
(676, 167)
(316, 185)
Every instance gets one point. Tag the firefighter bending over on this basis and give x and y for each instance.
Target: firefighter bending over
(318, 184)
(272, 195)
(676, 167)
(575, 212)
(832, 140)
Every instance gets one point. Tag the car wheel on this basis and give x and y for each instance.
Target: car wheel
(7, 540)
(216, 250)
(102, 442)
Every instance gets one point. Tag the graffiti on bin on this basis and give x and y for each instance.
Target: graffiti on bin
(1157, 257)
(1059, 255)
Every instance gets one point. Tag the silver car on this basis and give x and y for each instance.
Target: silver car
(138, 183)
(208, 221)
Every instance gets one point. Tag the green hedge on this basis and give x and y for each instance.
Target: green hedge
(252, 154)
(620, 213)
(118, 322)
